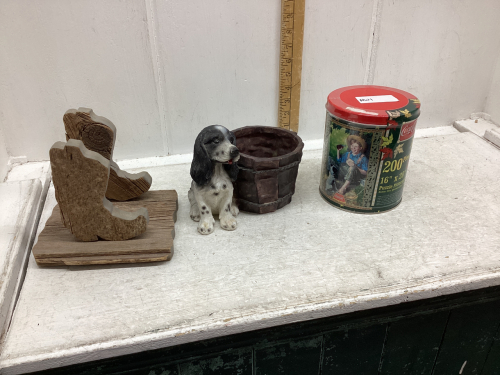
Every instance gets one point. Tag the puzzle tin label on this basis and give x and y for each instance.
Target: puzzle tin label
(364, 166)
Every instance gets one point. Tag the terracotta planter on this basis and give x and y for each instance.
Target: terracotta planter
(268, 164)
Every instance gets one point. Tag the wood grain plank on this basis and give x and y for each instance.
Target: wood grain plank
(57, 246)
(298, 42)
(116, 259)
(290, 65)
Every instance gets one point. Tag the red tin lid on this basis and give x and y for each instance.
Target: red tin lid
(373, 105)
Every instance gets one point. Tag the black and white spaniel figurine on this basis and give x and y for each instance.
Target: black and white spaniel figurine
(213, 170)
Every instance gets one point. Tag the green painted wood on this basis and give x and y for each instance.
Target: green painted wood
(238, 362)
(167, 359)
(413, 344)
(468, 337)
(300, 357)
(353, 351)
(114, 367)
(492, 365)
(157, 370)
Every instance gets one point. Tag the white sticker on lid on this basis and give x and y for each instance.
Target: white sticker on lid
(377, 99)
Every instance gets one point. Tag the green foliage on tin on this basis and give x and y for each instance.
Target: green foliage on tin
(387, 141)
(338, 136)
(360, 192)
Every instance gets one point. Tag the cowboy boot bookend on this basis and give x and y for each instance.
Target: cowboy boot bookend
(98, 134)
(80, 179)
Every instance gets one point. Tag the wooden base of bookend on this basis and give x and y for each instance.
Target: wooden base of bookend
(56, 246)
(98, 134)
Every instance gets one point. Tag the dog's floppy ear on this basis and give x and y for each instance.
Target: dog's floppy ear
(201, 167)
(232, 138)
(232, 170)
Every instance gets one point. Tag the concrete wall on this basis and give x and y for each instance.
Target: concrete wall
(162, 70)
(493, 100)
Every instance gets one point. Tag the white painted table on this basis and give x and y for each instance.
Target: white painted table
(21, 200)
(305, 261)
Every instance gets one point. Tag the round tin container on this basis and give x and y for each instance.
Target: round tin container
(368, 137)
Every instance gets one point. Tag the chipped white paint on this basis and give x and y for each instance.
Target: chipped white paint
(478, 115)
(462, 368)
(15, 160)
(30, 171)
(442, 239)
(477, 126)
(493, 136)
(19, 206)
(434, 132)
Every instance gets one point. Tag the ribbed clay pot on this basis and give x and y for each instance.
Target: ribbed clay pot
(269, 163)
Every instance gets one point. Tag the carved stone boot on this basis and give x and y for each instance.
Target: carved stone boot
(98, 134)
(80, 178)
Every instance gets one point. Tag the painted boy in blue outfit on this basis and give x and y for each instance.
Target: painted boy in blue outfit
(353, 164)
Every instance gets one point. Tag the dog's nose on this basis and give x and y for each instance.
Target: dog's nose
(234, 152)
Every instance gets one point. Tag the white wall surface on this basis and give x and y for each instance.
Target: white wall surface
(336, 36)
(493, 100)
(442, 51)
(220, 64)
(4, 157)
(62, 54)
(162, 70)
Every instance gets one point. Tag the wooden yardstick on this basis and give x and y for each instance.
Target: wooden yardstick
(292, 37)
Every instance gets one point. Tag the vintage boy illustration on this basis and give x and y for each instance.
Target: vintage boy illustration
(353, 165)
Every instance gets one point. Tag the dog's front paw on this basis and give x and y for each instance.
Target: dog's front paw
(234, 210)
(228, 223)
(194, 213)
(206, 226)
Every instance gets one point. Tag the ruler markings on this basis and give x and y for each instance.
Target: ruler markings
(290, 69)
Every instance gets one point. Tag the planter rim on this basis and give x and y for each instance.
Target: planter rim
(297, 149)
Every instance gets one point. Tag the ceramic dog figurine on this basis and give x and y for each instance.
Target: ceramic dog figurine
(213, 170)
